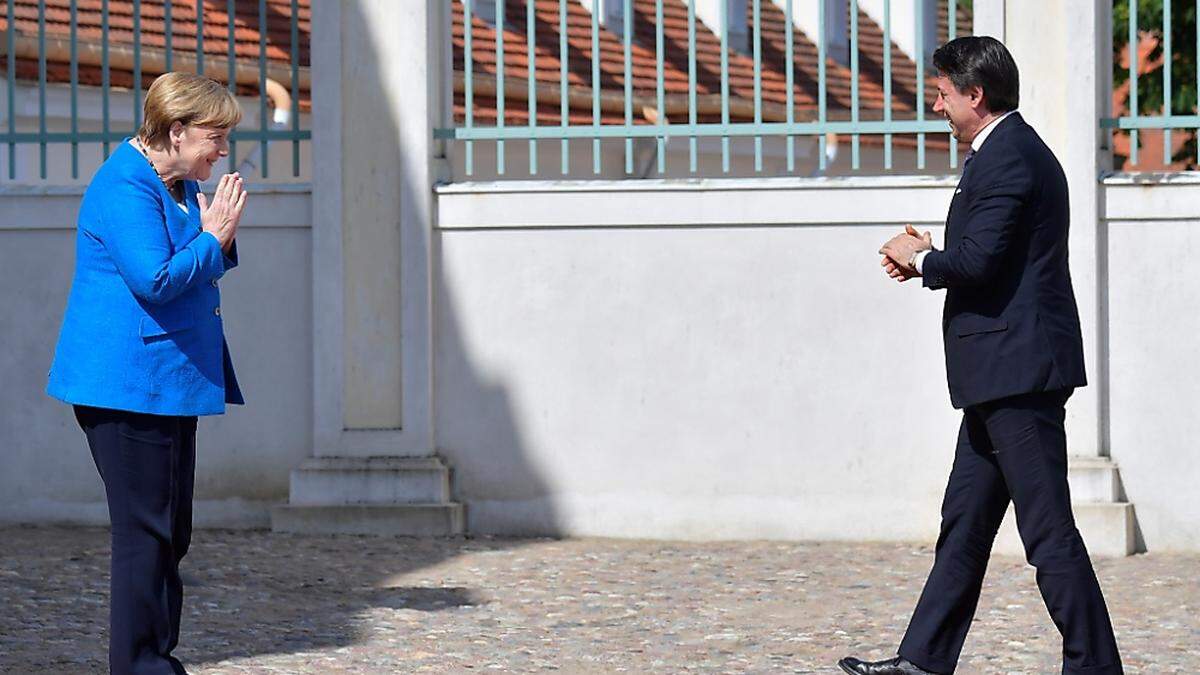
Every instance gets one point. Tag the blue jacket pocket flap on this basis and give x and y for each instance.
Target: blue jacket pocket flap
(975, 324)
(156, 326)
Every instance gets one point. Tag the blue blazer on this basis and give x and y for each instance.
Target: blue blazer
(143, 330)
(1010, 323)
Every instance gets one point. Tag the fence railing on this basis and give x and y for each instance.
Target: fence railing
(595, 83)
(1152, 101)
(139, 39)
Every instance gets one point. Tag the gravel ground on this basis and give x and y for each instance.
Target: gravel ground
(259, 602)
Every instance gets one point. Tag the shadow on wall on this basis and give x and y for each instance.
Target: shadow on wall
(315, 608)
(279, 595)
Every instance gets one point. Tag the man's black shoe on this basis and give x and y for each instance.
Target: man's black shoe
(896, 666)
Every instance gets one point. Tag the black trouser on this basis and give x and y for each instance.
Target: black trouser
(147, 463)
(1012, 449)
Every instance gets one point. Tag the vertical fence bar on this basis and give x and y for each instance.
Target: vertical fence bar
(42, 89)
(693, 142)
(469, 82)
(531, 76)
(854, 139)
(564, 103)
(137, 64)
(199, 36)
(920, 78)
(821, 140)
(295, 57)
(104, 74)
(627, 29)
(264, 127)
(231, 76)
(1133, 79)
(74, 89)
(952, 28)
(1168, 55)
(662, 103)
(790, 75)
(725, 84)
(500, 82)
(757, 16)
(596, 92)
(12, 90)
(887, 81)
(168, 33)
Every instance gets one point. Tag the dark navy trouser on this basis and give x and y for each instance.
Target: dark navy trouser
(1013, 449)
(147, 463)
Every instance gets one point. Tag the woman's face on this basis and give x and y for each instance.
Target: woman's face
(199, 149)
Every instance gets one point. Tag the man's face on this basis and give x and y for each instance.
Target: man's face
(961, 109)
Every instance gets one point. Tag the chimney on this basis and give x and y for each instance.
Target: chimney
(484, 9)
(806, 18)
(908, 17)
(728, 15)
(610, 14)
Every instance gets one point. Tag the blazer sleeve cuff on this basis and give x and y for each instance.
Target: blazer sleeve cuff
(208, 255)
(231, 258)
(931, 270)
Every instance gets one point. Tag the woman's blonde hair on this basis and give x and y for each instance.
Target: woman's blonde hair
(188, 99)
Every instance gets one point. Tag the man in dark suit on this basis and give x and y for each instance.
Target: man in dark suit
(1014, 354)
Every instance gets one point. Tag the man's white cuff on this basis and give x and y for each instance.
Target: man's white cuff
(919, 263)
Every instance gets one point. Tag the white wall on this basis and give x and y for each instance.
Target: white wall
(46, 472)
(682, 360)
(1153, 298)
(697, 359)
(710, 359)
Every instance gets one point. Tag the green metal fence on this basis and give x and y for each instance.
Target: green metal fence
(641, 14)
(22, 45)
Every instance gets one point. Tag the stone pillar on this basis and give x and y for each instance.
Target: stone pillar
(1063, 51)
(379, 70)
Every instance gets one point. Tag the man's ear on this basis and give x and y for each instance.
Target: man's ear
(975, 94)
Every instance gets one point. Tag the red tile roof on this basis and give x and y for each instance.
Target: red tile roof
(216, 21)
(675, 76)
(612, 78)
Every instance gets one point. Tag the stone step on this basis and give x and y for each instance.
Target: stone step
(370, 480)
(1093, 479)
(406, 520)
(1107, 529)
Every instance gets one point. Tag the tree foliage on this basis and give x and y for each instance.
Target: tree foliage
(1183, 62)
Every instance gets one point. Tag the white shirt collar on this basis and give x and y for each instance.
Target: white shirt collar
(980, 137)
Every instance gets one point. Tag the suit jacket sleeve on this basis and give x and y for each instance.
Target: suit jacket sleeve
(992, 220)
(132, 228)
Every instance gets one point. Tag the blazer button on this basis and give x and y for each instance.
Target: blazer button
(217, 311)
(214, 283)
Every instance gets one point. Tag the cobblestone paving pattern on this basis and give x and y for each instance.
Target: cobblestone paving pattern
(259, 602)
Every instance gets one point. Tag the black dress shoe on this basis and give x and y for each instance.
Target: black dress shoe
(896, 666)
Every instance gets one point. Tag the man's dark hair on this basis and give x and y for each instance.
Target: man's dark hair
(981, 62)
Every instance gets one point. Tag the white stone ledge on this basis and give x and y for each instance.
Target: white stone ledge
(706, 202)
(1151, 196)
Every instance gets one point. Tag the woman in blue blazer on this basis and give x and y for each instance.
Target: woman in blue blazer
(142, 351)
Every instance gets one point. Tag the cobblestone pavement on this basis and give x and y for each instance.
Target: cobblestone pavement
(259, 602)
